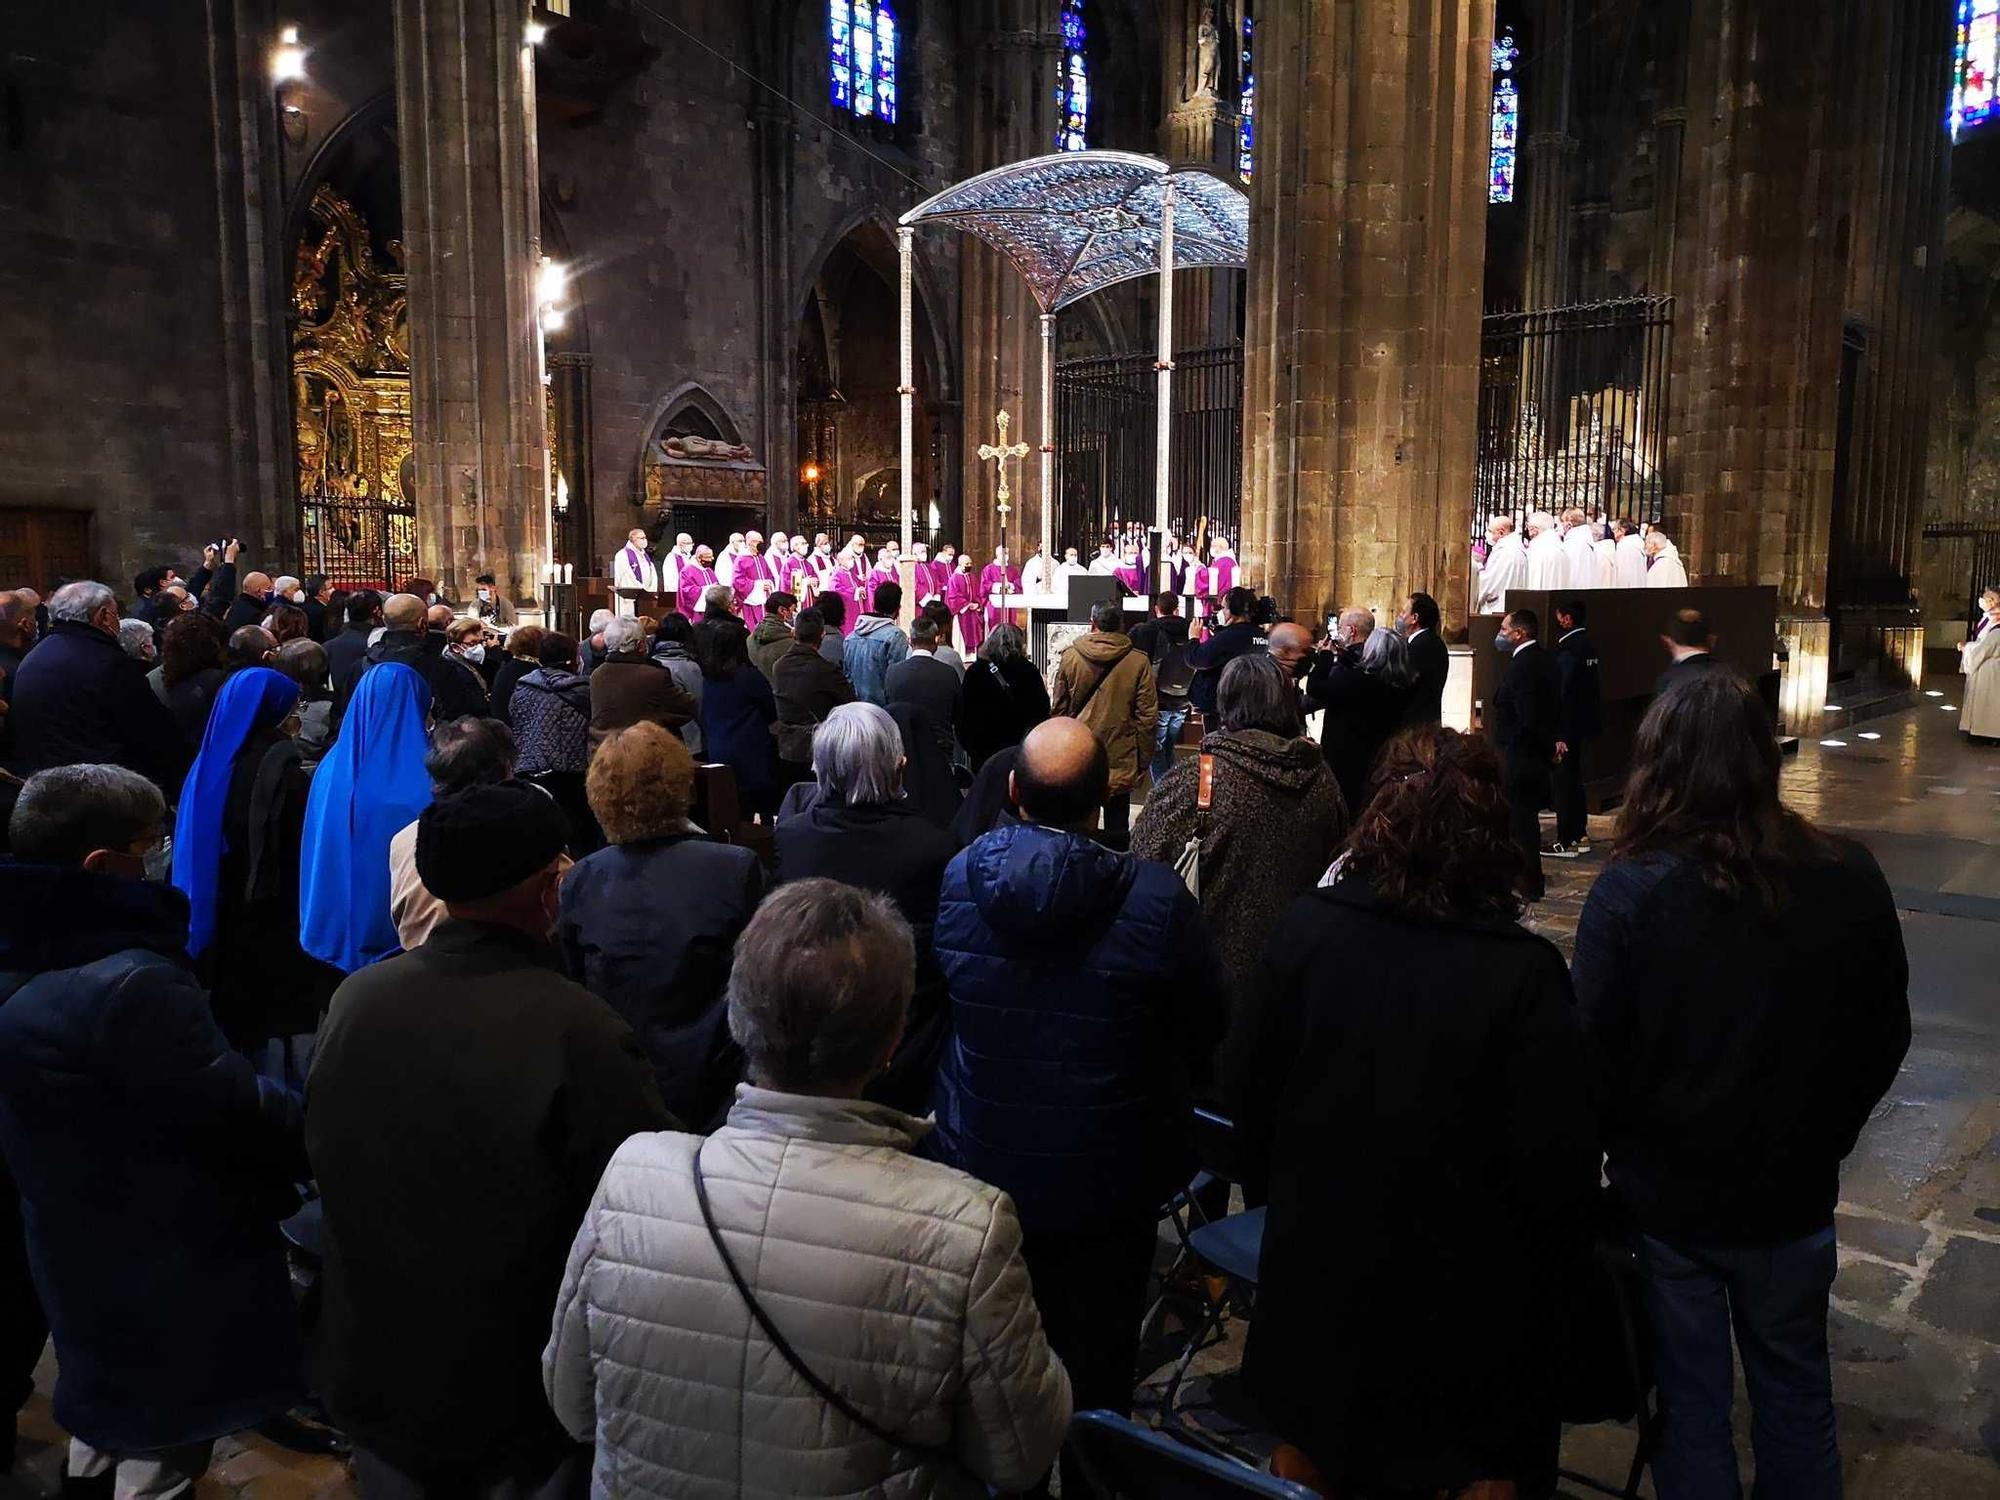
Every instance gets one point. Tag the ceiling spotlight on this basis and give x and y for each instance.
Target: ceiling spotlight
(1933, 693)
(551, 281)
(537, 33)
(288, 58)
(1834, 744)
(1835, 708)
(1869, 734)
(1950, 708)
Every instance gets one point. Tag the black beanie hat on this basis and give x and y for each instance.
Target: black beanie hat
(486, 840)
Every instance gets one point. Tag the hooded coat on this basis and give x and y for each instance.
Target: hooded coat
(876, 645)
(1086, 998)
(1275, 820)
(1108, 683)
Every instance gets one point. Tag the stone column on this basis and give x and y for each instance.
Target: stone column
(1017, 51)
(465, 110)
(1368, 217)
(569, 379)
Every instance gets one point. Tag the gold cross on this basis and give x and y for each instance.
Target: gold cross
(998, 456)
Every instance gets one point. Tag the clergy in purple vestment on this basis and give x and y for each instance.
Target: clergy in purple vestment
(962, 597)
(695, 577)
(753, 579)
(996, 581)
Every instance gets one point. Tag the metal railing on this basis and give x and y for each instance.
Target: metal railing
(1106, 409)
(1573, 410)
(358, 542)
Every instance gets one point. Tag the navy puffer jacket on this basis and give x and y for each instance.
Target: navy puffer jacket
(153, 1166)
(1086, 1000)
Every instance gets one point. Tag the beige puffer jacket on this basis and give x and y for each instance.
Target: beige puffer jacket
(900, 1282)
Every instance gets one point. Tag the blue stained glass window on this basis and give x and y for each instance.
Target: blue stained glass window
(1247, 110)
(862, 58)
(1973, 100)
(1073, 84)
(1506, 119)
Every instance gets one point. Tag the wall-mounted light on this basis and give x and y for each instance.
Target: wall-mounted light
(810, 473)
(551, 288)
(553, 318)
(537, 33)
(288, 58)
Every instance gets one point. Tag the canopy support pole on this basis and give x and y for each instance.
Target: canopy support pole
(906, 388)
(1048, 447)
(1164, 442)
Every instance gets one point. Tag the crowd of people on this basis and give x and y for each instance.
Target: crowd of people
(389, 948)
(1572, 551)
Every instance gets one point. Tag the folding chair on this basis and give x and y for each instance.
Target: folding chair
(1620, 1264)
(1128, 1461)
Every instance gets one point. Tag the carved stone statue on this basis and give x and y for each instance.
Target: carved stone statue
(1207, 55)
(711, 450)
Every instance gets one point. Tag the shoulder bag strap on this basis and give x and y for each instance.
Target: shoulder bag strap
(790, 1355)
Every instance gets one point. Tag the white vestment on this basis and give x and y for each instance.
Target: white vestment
(1548, 568)
(1607, 564)
(1035, 580)
(1979, 706)
(1631, 564)
(1580, 551)
(1506, 568)
(625, 576)
(1666, 571)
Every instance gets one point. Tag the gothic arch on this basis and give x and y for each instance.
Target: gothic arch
(688, 394)
(872, 237)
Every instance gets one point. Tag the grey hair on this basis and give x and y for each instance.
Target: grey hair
(923, 632)
(468, 752)
(623, 634)
(1387, 655)
(77, 602)
(1003, 643)
(136, 636)
(820, 984)
(1108, 615)
(1356, 618)
(856, 752)
(1257, 693)
(67, 812)
(718, 596)
(599, 618)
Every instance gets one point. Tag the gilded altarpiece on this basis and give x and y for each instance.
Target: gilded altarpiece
(350, 368)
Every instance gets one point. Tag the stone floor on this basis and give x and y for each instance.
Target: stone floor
(1916, 1321)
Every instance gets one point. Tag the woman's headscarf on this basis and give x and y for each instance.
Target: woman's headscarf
(370, 787)
(251, 701)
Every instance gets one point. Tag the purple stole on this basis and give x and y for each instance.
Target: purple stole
(1132, 576)
(1222, 576)
(694, 579)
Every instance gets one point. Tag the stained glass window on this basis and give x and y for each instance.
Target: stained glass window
(1073, 83)
(1506, 118)
(1247, 131)
(861, 58)
(1978, 59)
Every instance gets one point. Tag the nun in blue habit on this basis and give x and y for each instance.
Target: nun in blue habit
(371, 785)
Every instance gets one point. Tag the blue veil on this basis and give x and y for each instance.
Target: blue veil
(371, 786)
(250, 700)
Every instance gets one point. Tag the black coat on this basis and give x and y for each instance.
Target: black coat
(79, 699)
(1431, 659)
(1701, 661)
(455, 688)
(154, 1166)
(190, 701)
(1581, 719)
(1527, 710)
(345, 651)
(924, 682)
(1417, 1091)
(895, 851)
(1212, 655)
(244, 609)
(505, 677)
(1003, 701)
(807, 687)
(1362, 712)
(457, 1143)
(315, 619)
(1739, 1047)
(649, 927)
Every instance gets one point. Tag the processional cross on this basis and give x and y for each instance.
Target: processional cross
(997, 454)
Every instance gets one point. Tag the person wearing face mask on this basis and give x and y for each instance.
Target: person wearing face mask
(120, 1097)
(316, 597)
(491, 605)
(251, 605)
(466, 639)
(432, 1357)
(1524, 719)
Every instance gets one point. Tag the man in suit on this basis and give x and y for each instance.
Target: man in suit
(1526, 714)
(1690, 645)
(1581, 721)
(1428, 659)
(924, 682)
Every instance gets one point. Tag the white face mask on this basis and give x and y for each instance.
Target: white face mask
(298, 596)
(485, 594)
(474, 653)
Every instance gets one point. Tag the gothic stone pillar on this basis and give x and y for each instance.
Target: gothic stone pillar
(1368, 215)
(465, 108)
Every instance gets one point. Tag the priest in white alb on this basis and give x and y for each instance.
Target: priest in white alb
(633, 568)
(1506, 566)
(1629, 558)
(1548, 568)
(1665, 570)
(1579, 540)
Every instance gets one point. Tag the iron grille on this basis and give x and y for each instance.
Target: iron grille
(358, 543)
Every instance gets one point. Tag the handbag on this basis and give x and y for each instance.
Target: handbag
(1188, 866)
(805, 1372)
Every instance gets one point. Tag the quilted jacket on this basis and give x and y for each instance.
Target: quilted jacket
(898, 1281)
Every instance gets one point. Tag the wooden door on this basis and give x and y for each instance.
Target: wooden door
(44, 549)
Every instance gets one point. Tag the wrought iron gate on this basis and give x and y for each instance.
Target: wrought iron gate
(1573, 410)
(1106, 411)
(1983, 553)
(358, 543)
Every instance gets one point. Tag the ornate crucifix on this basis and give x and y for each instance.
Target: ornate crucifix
(997, 454)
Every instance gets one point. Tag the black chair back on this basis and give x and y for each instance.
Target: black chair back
(1127, 1461)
